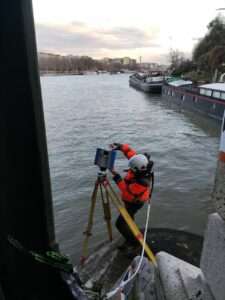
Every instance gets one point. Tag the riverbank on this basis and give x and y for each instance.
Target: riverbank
(55, 73)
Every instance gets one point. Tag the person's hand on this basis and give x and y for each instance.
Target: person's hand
(116, 146)
(113, 172)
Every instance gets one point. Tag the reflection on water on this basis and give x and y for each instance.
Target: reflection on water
(83, 113)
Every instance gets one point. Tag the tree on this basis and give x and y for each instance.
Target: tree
(216, 57)
(179, 64)
(176, 58)
(209, 53)
(185, 66)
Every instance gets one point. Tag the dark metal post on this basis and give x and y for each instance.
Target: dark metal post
(25, 195)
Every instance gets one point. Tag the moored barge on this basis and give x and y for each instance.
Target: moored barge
(207, 99)
(147, 83)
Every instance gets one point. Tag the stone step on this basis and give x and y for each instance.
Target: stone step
(181, 280)
(213, 256)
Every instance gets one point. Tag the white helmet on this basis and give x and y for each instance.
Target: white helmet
(138, 163)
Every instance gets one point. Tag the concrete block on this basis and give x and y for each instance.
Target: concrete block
(213, 256)
(218, 195)
(143, 286)
(181, 280)
(159, 287)
(145, 281)
(195, 287)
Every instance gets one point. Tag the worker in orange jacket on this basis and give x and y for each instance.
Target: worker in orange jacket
(135, 187)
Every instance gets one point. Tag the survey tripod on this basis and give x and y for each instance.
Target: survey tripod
(108, 194)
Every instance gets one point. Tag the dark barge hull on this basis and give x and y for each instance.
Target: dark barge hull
(144, 86)
(188, 99)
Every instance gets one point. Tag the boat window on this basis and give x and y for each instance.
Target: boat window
(216, 94)
(156, 79)
(148, 79)
(222, 96)
(202, 91)
(208, 93)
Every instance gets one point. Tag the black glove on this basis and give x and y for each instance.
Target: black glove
(116, 146)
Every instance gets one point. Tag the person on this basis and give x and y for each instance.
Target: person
(135, 188)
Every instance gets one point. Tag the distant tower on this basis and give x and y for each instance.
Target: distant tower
(140, 59)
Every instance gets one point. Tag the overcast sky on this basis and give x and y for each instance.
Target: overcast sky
(117, 28)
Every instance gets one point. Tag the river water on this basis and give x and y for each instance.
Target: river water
(86, 112)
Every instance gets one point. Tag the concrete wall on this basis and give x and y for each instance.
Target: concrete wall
(213, 256)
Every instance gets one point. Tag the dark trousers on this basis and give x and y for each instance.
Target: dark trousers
(122, 226)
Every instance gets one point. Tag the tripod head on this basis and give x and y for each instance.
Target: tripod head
(102, 175)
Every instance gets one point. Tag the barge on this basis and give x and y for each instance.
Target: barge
(206, 99)
(147, 83)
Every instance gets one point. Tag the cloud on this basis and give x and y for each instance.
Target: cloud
(78, 38)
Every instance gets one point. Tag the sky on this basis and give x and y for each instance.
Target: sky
(118, 28)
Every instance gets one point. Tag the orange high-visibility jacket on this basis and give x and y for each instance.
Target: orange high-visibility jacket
(132, 189)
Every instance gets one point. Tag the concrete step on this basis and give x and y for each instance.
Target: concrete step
(181, 280)
(213, 256)
(142, 287)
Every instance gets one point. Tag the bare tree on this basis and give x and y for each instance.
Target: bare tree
(176, 58)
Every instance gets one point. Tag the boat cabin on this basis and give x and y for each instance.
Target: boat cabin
(154, 79)
(179, 82)
(215, 90)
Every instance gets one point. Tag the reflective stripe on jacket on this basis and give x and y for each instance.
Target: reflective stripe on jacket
(132, 189)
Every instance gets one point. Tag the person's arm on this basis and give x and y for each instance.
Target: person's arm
(125, 148)
(128, 151)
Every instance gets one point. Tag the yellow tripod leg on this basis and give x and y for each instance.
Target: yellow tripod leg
(115, 194)
(107, 212)
(130, 222)
(87, 232)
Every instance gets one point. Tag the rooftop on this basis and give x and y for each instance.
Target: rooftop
(180, 82)
(219, 86)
